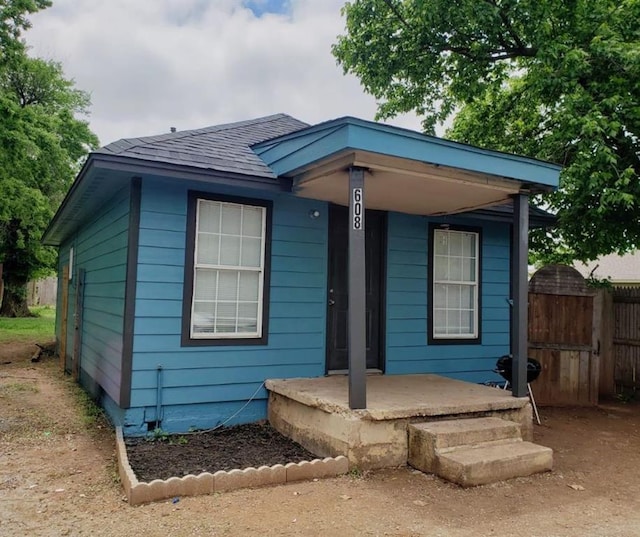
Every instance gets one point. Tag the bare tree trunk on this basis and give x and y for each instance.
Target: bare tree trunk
(14, 302)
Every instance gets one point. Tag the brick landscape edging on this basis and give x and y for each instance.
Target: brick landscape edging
(206, 483)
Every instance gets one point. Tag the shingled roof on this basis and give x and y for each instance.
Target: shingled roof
(221, 147)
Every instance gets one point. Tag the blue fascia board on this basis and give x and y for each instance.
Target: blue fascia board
(287, 154)
(312, 145)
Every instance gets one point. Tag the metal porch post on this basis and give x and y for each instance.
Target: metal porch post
(519, 317)
(357, 292)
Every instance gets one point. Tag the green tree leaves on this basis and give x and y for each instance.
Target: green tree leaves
(554, 80)
(42, 143)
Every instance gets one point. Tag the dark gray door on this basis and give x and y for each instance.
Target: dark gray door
(338, 305)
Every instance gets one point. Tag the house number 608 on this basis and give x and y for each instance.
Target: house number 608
(358, 216)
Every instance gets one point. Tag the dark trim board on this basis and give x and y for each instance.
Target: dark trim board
(130, 291)
(192, 173)
(452, 341)
(186, 340)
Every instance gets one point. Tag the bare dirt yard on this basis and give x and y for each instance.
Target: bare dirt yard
(58, 477)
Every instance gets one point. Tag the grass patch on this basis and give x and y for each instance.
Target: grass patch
(40, 328)
(92, 414)
(19, 387)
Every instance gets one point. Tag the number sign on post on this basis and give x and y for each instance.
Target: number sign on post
(358, 212)
(356, 326)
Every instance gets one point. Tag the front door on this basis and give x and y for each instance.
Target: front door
(338, 305)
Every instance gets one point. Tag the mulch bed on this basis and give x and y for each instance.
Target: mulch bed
(160, 456)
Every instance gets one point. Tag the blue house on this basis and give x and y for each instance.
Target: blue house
(195, 265)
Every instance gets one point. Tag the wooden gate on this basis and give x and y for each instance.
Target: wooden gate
(626, 337)
(561, 337)
(77, 325)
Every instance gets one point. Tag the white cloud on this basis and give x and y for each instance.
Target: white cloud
(154, 64)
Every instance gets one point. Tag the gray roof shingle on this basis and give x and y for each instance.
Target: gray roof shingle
(223, 148)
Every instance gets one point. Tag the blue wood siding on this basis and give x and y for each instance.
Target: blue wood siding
(407, 350)
(100, 248)
(202, 386)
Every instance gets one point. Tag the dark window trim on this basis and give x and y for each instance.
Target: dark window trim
(187, 297)
(452, 341)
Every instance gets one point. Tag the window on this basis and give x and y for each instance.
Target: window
(454, 286)
(227, 265)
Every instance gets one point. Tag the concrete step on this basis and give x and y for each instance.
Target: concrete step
(482, 464)
(427, 440)
(451, 433)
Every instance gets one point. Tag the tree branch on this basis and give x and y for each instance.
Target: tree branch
(394, 9)
(520, 45)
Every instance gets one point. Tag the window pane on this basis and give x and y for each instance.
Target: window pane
(467, 298)
(467, 322)
(453, 322)
(231, 218)
(455, 243)
(249, 285)
(440, 321)
(252, 221)
(469, 244)
(228, 285)
(251, 250)
(248, 310)
(455, 269)
(203, 317)
(205, 285)
(441, 242)
(247, 325)
(230, 251)
(469, 270)
(208, 248)
(453, 298)
(440, 296)
(441, 268)
(209, 216)
(226, 318)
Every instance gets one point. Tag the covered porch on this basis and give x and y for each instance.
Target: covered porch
(316, 413)
(363, 165)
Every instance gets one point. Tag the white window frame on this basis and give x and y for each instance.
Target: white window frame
(475, 334)
(230, 268)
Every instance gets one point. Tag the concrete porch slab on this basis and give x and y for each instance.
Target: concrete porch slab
(315, 413)
(398, 396)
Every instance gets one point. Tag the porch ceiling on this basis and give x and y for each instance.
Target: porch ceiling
(407, 171)
(408, 186)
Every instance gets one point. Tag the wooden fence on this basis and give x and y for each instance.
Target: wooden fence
(626, 338)
(587, 340)
(564, 329)
(42, 292)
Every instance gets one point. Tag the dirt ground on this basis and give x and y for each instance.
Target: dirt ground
(58, 477)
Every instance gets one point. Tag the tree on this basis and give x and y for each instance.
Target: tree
(41, 145)
(553, 80)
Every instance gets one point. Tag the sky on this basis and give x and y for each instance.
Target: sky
(150, 65)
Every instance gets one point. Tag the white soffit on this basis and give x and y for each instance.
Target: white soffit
(406, 186)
